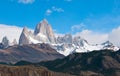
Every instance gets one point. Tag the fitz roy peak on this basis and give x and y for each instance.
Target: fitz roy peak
(42, 34)
(43, 28)
(65, 45)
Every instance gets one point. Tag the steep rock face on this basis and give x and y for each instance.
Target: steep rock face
(45, 29)
(78, 41)
(67, 39)
(42, 34)
(69, 44)
(24, 37)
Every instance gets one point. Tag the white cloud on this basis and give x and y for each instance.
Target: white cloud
(114, 36)
(57, 9)
(48, 12)
(77, 27)
(97, 38)
(93, 37)
(12, 32)
(53, 9)
(26, 1)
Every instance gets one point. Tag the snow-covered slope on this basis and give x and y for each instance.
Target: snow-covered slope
(80, 45)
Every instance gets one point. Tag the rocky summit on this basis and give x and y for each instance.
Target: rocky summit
(43, 28)
(24, 39)
(43, 33)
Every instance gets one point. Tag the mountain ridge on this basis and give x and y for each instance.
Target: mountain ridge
(31, 53)
(94, 63)
(66, 44)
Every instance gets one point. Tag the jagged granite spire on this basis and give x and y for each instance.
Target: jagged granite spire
(67, 38)
(5, 42)
(24, 37)
(45, 29)
(40, 28)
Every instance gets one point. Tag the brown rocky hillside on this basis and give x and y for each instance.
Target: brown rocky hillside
(27, 71)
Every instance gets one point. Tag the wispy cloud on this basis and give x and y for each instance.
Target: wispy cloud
(77, 27)
(26, 1)
(97, 38)
(57, 9)
(53, 9)
(93, 37)
(48, 12)
(97, 31)
(12, 32)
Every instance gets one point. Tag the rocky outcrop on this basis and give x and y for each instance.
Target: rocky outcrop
(27, 71)
(5, 42)
(78, 41)
(109, 45)
(69, 44)
(66, 39)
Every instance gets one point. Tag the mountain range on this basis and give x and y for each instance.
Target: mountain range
(65, 45)
(41, 53)
(29, 47)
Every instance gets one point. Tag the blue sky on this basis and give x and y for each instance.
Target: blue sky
(65, 16)
(95, 20)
